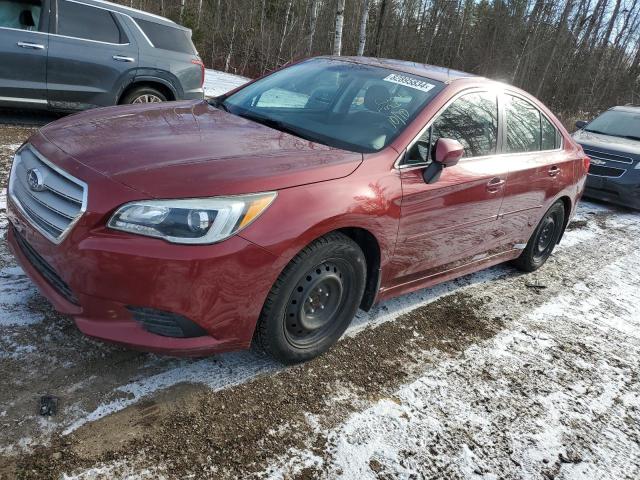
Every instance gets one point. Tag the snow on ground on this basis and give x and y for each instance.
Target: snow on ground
(580, 349)
(582, 343)
(15, 288)
(216, 83)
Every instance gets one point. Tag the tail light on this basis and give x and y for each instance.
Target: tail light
(199, 62)
(586, 161)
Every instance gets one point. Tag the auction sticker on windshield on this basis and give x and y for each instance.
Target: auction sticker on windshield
(409, 82)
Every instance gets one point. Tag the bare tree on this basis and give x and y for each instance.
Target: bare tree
(312, 25)
(576, 55)
(363, 27)
(284, 30)
(337, 37)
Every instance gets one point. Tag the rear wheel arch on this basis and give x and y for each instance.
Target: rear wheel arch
(566, 202)
(162, 87)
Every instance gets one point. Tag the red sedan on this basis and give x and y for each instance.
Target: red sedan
(271, 214)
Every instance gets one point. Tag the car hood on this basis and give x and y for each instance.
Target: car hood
(191, 149)
(616, 144)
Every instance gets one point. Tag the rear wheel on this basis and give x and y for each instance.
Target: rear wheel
(144, 95)
(313, 301)
(543, 241)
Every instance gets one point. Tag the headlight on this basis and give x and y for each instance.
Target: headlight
(192, 221)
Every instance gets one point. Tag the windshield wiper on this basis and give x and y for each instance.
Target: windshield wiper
(596, 131)
(218, 102)
(279, 125)
(631, 137)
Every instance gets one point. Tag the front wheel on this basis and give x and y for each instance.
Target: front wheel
(543, 241)
(313, 301)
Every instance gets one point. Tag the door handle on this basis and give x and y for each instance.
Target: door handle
(495, 185)
(33, 46)
(554, 171)
(122, 58)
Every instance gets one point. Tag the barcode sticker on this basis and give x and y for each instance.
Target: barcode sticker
(409, 82)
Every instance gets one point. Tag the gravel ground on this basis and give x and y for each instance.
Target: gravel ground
(495, 375)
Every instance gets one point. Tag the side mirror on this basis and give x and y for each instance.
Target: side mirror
(580, 124)
(448, 152)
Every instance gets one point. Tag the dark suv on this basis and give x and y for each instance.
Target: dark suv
(78, 54)
(612, 140)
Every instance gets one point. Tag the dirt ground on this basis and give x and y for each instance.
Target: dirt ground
(494, 375)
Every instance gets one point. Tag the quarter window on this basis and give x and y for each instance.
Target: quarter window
(549, 134)
(167, 38)
(82, 21)
(471, 119)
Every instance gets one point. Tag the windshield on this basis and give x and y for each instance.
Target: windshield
(617, 123)
(341, 104)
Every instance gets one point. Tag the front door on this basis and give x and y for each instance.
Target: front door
(91, 57)
(24, 43)
(454, 220)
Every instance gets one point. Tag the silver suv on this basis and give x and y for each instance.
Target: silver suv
(77, 54)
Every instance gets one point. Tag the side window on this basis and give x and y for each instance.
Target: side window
(523, 126)
(549, 134)
(21, 14)
(167, 38)
(472, 120)
(82, 21)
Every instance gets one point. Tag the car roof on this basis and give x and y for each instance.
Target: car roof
(627, 108)
(441, 74)
(132, 12)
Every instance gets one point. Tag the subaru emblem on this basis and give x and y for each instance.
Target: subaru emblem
(35, 180)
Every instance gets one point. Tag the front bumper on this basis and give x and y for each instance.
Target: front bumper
(220, 288)
(624, 190)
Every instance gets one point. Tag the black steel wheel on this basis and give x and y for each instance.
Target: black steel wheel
(313, 301)
(544, 239)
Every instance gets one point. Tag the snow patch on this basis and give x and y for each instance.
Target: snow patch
(216, 83)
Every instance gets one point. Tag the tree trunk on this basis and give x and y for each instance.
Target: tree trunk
(337, 37)
(182, 2)
(383, 8)
(363, 27)
(199, 13)
(312, 25)
(563, 20)
(284, 31)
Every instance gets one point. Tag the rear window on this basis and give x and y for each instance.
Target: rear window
(167, 38)
(82, 21)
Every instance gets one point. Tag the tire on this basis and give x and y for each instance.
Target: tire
(544, 239)
(313, 300)
(143, 95)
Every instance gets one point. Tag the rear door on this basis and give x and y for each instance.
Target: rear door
(91, 59)
(453, 221)
(24, 43)
(539, 169)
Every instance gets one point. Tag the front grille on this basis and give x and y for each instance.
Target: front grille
(166, 324)
(50, 198)
(602, 171)
(611, 157)
(44, 269)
